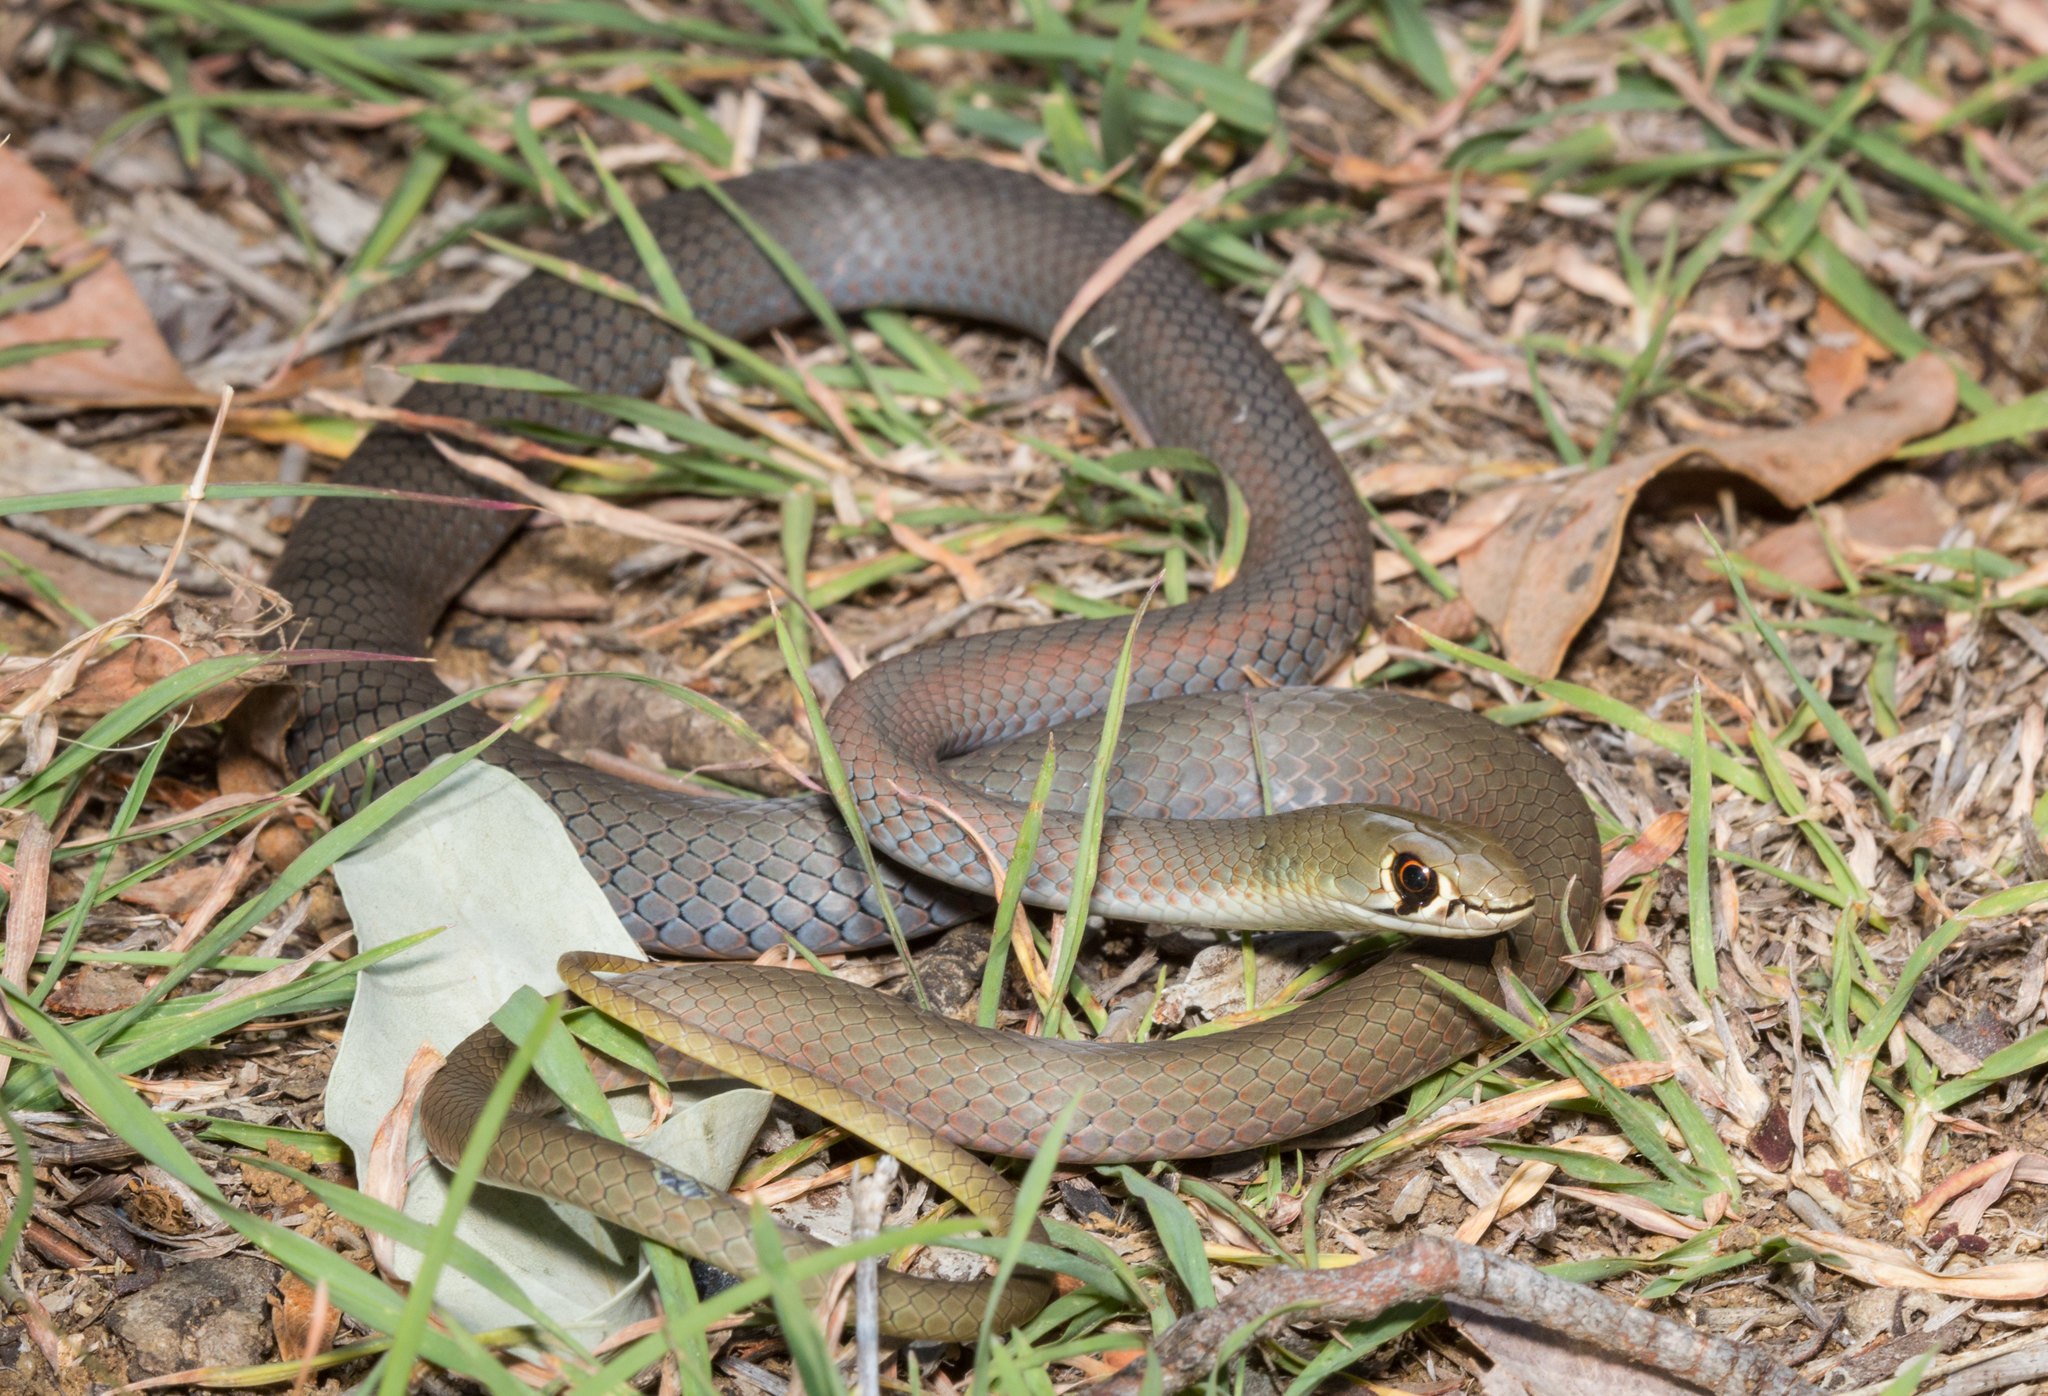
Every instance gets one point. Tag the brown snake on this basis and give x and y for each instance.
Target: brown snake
(1494, 834)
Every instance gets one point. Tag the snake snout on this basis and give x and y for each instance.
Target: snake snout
(1426, 876)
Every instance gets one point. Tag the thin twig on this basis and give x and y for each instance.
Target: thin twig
(870, 1202)
(195, 495)
(587, 509)
(28, 900)
(1435, 1268)
(1153, 233)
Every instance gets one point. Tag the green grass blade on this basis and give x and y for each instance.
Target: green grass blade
(1837, 727)
(1010, 905)
(1706, 974)
(410, 1335)
(1179, 1235)
(354, 1290)
(1095, 811)
(2015, 421)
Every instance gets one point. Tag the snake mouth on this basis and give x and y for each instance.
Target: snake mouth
(1512, 914)
(1461, 918)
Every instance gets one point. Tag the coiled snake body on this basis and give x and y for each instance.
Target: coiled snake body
(945, 727)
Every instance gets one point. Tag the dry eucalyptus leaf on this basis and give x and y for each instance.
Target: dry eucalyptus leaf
(1650, 850)
(1540, 578)
(1404, 479)
(1589, 278)
(1839, 363)
(1470, 524)
(1911, 514)
(92, 990)
(167, 641)
(93, 589)
(1980, 1186)
(301, 1320)
(102, 304)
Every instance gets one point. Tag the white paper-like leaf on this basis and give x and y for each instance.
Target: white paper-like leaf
(485, 858)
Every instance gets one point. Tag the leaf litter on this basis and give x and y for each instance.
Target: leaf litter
(86, 296)
(1541, 576)
(1823, 1151)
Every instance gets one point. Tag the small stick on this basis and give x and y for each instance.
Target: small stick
(870, 1202)
(28, 899)
(1436, 1268)
(195, 495)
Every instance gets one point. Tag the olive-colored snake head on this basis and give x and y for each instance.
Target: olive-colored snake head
(1386, 869)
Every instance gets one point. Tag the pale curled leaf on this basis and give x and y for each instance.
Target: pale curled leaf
(385, 1167)
(1892, 1268)
(1637, 1211)
(1981, 1185)
(486, 861)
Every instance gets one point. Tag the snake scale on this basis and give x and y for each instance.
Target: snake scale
(1498, 831)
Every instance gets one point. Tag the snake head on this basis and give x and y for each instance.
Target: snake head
(1393, 870)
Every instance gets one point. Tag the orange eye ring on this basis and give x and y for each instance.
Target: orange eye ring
(1415, 882)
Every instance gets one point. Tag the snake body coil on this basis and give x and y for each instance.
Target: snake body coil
(720, 877)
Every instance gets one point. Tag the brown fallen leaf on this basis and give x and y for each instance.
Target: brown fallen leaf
(176, 892)
(1404, 479)
(1839, 363)
(253, 757)
(973, 586)
(1738, 328)
(1470, 523)
(1539, 578)
(251, 767)
(302, 1318)
(1911, 514)
(1589, 278)
(1771, 1140)
(1981, 1185)
(2026, 21)
(92, 990)
(1453, 620)
(1370, 176)
(1636, 1211)
(94, 589)
(1650, 850)
(162, 646)
(101, 304)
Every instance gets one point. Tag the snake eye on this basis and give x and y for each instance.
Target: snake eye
(1415, 880)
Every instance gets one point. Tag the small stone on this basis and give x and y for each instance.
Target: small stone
(211, 1313)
